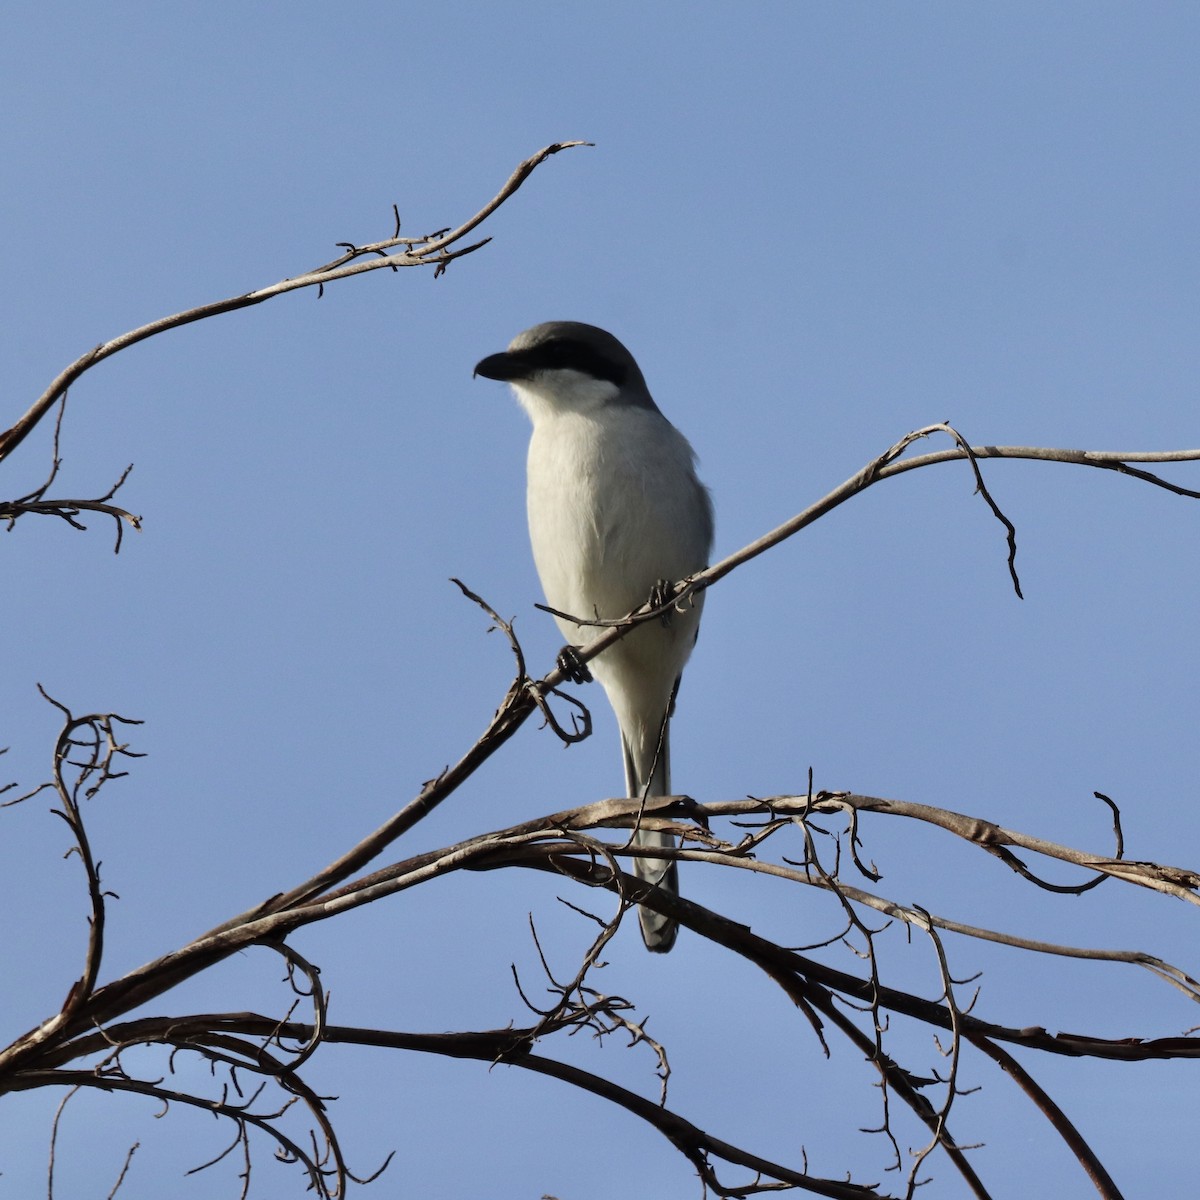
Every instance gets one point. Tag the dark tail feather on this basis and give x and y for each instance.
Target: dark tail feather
(658, 932)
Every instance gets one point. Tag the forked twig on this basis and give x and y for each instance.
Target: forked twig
(432, 250)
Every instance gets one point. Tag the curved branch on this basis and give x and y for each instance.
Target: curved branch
(541, 843)
(328, 1183)
(888, 465)
(557, 844)
(791, 970)
(1093, 1167)
(511, 1047)
(433, 250)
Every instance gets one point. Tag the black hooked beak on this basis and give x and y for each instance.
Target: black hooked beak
(505, 366)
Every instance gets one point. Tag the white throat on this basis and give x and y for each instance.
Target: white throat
(556, 393)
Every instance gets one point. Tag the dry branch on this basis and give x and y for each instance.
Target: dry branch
(432, 250)
(436, 250)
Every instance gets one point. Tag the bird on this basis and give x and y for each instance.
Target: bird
(616, 511)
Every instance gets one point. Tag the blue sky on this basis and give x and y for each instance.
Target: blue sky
(818, 226)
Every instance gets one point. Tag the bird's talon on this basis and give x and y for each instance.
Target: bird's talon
(571, 665)
(661, 595)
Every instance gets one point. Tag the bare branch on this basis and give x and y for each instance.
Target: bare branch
(1074, 1139)
(886, 466)
(432, 250)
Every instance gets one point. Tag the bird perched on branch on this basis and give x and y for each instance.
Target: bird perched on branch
(615, 513)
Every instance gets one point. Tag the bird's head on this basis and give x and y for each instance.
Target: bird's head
(566, 366)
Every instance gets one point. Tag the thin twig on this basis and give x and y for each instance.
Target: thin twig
(433, 250)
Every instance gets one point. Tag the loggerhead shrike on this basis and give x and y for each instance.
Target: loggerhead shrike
(615, 510)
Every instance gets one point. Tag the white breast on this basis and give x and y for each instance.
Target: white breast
(614, 508)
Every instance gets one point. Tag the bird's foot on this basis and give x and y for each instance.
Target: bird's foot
(661, 595)
(572, 666)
